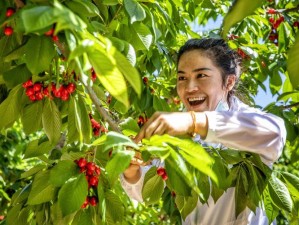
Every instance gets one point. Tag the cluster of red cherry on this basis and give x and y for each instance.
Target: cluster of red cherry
(162, 173)
(97, 129)
(92, 173)
(275, 21)
(8, 30)
(37, 91)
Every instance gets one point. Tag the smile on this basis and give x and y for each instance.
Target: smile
(196, 100)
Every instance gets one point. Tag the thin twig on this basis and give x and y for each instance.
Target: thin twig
(290, 106)
(19, 4)
(101, 109)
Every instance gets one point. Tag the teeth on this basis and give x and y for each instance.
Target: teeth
(195, 99)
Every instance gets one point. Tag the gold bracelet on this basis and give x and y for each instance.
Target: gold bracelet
(194, 123)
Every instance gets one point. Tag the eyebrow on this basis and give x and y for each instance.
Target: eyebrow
(195, 70)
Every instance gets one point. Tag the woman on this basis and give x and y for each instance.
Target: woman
(208, 71)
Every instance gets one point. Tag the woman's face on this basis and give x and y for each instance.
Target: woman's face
(199, 82)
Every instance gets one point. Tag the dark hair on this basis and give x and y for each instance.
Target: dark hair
(226, 59)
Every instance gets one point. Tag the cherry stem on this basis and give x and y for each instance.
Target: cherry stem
(290, 106)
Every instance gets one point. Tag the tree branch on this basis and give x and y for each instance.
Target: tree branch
(19, 4)
(101, 109)
(290, 106)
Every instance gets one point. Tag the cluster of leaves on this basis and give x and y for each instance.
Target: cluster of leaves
(120, 42)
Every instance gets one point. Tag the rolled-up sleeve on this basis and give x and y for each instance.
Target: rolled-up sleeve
(258, 132)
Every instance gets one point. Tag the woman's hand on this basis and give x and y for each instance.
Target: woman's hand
(132, 174)
(176, 123)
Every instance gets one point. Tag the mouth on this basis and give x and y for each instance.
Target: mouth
(193, 101)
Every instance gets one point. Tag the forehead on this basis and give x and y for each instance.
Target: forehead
(195, 58)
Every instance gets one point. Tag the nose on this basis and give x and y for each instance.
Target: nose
(192, 86)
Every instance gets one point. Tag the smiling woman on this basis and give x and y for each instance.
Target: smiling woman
(208, 71)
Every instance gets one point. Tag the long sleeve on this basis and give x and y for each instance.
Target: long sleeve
(248, 129)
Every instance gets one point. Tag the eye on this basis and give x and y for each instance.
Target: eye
(201, 75)
(181, 78)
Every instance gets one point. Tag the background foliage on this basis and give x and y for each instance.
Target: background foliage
(70, 71)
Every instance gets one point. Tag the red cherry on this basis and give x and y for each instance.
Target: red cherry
(110, 153)
(98, 170)
(37, 87)
(93, 181)
(271, 11)
(27, 84)
(71, 87)
(8, 31)
(50, 32)
(145, 80)
(161, 171)
(271, 20)
(95, 124)
(296, 24)
(93, 200)
(82, 162)
(141, 121)
(55, 38)
(96, 131)
(57, 92)
(64, 93)
(46, 91)
(85, 204)
(173, 194)
(10, 11)
(39, 96)
(29, 91)
(93, 75)
(32, 97)
(164, 176)
(91, 166)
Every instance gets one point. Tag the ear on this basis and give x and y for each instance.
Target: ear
(230, 82)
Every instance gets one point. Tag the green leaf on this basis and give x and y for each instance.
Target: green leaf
(240, 192)
(239, 10)
(74, 122)
(31, 117)
(73, 194)
(292, 63)
(271, 210)
(119, 162)
(51, 121)
(176, 179)
(62, 172)
(192, 152)
(129, 72)
(84, 7)
(129, 127)
(10, 108)
(143, 34)
(135, 10)
(115, 209)
(13, 215)
(292, 183)
(16, 75)
(32, 171)
(41, 17)
(41, 191)
(37, 18)
(109, 75)
(160, 104)
(153, 187)
(83, 217)
(186, 204)
(113, 139)
(21, 195)
(85, 121)
(280, 194)
(35, 149)
(39, 54)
